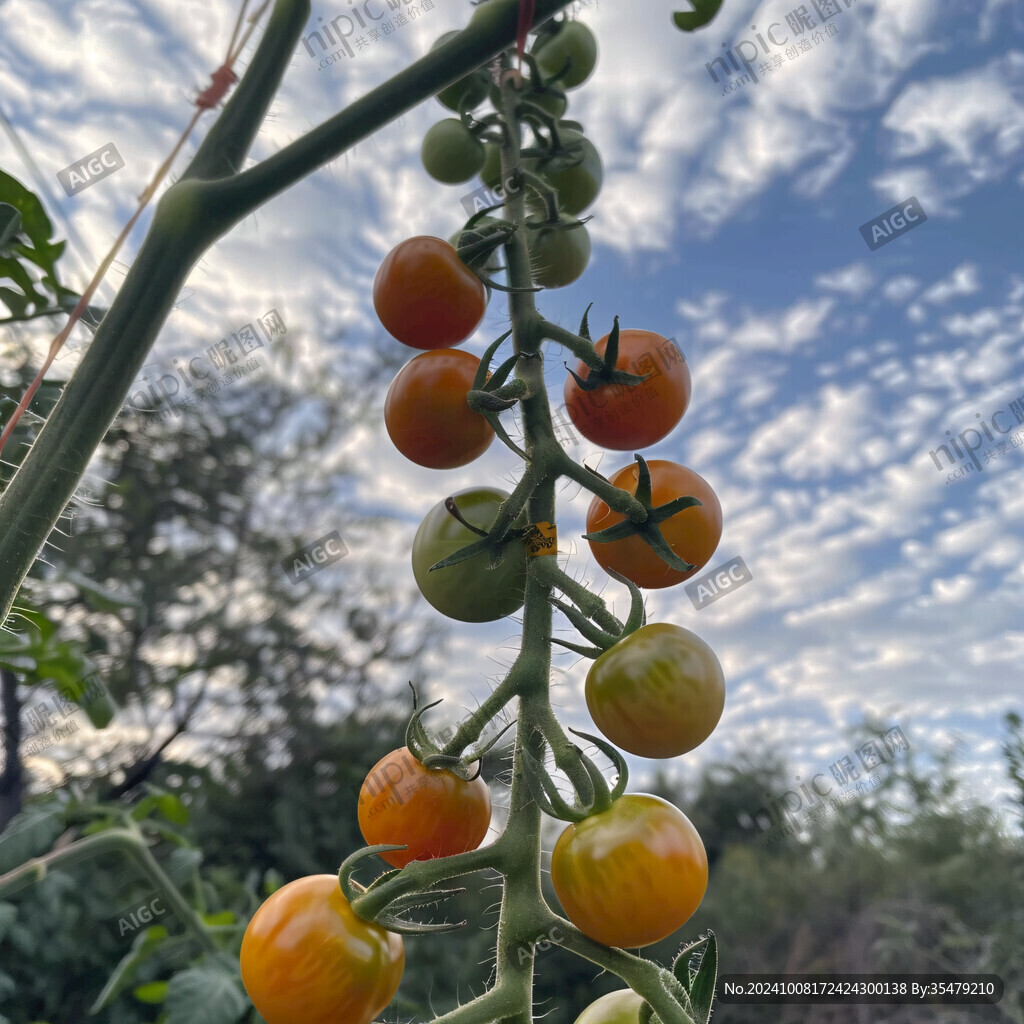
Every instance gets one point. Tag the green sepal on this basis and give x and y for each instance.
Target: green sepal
(587, 652)
(584, 331)
(498, 428)
(637, 611)
(416, 738)
(545, 792)
(590, 632)
(500, 375)
(614, 756)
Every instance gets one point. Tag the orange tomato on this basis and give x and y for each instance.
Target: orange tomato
(430, 810)
(693, 534)
(307, 959)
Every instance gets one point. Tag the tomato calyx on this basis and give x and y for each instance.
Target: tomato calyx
(648, 529)
(545, 790)
(603, 639)
(466, 765)
(390, 917)
(608, 373)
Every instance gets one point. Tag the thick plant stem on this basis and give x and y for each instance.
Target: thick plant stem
(192, 215)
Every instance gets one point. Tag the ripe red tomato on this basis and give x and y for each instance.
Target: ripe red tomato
(425, 296)
(693, 534)
(631, 875)
(622, 1007)
(307, 959)
(658, 693)
(430, 810)
(630, 418)
(426, 412)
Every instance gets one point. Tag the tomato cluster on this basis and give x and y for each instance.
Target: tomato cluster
(630, 869)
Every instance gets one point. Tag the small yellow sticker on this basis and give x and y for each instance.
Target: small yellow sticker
(541, 540)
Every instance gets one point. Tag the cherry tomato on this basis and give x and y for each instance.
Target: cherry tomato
(469, 591)
(628, 418)
(573, 42)
(658, 693)
(577, 177)
(426, 413)
(693, 534)
(622, 1007)
(631, 875)
(467, 92)
(451, 153)
(307, 959)
(430, 810)
(425, 296)
(558, 257)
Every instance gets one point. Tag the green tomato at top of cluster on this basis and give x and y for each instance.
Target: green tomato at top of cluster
(451, 153)
(470, 591)
(466, 93)
(571, 43)
(621, 1007)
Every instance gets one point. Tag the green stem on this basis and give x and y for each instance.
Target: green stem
(128, 841)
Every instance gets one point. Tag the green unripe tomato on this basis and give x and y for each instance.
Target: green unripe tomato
(469, 591)
(578, 181)
(490, 173)
(573, 42)
(559, 257)
(451, 153)
(466, 93)
(490, 13)
(622, 1007)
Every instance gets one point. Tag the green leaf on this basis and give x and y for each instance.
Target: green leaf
(143, 947)
(210, 994)
(10, 223)
(151, 992)
(702, 989)
(33, 247)
(171, 807)
(702, 14)
(29, 834)
(221, 918)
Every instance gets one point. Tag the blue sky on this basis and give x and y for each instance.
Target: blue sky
(823, 372)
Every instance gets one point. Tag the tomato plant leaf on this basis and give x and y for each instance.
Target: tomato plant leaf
(151, 992)
(10, 223)
(702, 987)
(703, 13)
(29, 834)
(210, 994)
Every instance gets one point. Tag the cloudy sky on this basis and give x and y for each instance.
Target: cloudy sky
(824, 372)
